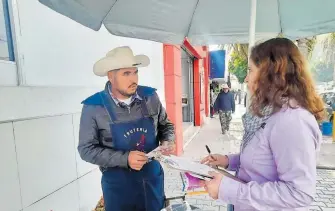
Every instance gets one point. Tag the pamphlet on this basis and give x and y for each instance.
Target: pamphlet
(191, 182)
(194, 168)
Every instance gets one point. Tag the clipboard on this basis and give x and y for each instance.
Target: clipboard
(227, 174)
(186, 165)
(200, 176)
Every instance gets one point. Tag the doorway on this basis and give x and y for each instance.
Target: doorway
(187, 88)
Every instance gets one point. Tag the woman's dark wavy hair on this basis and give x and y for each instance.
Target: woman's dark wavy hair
(283, 73)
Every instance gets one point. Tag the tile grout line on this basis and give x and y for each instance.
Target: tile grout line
(72, 181)
(17, 164)
(75, 159)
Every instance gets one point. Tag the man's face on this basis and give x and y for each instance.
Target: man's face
(225, 90)
(124, 81)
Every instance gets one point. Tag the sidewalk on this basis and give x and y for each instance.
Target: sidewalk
(327, 153)
(224, 144)
(210, 135)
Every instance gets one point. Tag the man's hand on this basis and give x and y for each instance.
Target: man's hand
(168, 147)
(136, 160)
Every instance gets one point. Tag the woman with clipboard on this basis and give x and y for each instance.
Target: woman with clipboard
(281, 139)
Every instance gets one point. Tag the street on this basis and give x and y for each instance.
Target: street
(224, 144)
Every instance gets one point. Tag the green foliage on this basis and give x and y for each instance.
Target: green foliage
(329, 48)
(238, 66)
(238, 63)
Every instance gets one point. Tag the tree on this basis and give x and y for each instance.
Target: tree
(240, 49)
(238, 63)
(238, 66)
(322, 71)
(329, 50)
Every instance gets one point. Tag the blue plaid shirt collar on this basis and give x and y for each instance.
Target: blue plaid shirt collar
(118, 102)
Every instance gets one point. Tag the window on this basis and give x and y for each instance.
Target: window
(6, 44)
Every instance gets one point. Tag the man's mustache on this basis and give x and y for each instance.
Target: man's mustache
(134, 84)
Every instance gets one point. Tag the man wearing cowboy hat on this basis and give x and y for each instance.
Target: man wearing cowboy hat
(225, 104)
(118, 126)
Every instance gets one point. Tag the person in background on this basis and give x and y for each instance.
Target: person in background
(279, 147)
(216, 87)
(212, 103)
(239, 96)
(225, 105)
(211, 86)
(118, 126)
(233, 92)
(245, 100)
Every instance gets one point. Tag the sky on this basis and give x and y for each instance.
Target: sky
(213, 47)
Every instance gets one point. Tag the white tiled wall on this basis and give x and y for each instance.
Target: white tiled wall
(89, 190)
(82, 166)
(49, 164)
(66, 199)
(10, 199)
(40, 166)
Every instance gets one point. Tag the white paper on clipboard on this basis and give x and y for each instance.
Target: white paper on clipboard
(183, 164)
(186, 165)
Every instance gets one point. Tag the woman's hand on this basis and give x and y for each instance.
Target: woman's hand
(216, 160)
(212, 186)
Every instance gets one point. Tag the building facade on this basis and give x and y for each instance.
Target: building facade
(45, 72)
(197, 84)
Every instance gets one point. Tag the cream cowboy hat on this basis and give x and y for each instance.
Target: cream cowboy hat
(225, 86)
(119, 58)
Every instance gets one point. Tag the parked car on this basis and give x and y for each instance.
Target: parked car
(328, 98)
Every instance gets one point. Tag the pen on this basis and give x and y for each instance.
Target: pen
(209, 152)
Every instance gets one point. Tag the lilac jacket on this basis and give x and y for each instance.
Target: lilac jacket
(278, 164)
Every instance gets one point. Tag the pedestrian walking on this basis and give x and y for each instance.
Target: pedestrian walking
(225, 105)
(279, 147)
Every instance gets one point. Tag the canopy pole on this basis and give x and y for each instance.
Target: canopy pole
(252, 32)
(252, 26)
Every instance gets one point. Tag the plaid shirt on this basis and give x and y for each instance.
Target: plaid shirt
(120, 103)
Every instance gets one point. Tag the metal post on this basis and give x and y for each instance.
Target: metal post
(252, 27)
(252, 32)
